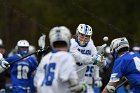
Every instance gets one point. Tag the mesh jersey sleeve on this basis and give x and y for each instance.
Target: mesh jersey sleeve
(68, 69)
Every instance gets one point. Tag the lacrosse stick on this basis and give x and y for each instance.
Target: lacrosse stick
(81, 68)
(41, 44)
(121, 82)
(41, 41)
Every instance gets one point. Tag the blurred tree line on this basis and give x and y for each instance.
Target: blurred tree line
(27, 19)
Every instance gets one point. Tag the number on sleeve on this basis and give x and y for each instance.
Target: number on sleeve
(137, 63)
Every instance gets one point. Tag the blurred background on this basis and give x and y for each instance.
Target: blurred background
(27, 19)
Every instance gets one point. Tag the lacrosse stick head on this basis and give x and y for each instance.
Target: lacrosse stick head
(41, 41)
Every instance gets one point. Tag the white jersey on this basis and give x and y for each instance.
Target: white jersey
(54, 72)
(83, 55)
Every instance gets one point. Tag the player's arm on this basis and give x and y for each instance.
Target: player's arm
(112, 86)
(68, 74)
(39, 72)
(76, 87)
(85, 59)
(79, 88)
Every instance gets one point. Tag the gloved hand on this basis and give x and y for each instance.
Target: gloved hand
(101, 50)
(4, 64)
(96, 59)
(79, 88)
(98, 82)
(102, 63)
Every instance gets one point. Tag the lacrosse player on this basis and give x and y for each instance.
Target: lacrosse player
(126, 64)
(56, 72)
(85, 54)
(21, 71)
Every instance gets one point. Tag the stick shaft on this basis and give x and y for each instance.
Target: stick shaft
(40, 50)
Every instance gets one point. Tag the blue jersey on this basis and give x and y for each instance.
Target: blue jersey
(128, 65)
(21, 71)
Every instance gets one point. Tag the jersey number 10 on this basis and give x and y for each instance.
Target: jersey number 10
(22, 72)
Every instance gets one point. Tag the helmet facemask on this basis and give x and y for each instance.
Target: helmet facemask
(23, 50)
(83, 39)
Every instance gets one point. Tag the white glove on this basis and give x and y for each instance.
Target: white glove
(98, 82)
(96, 59)
(80, 88)
(102, 63)
(4, 64)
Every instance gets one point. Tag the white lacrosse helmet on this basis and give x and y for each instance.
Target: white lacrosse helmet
(118, 43)
(23, 43)
(84, 29)
(60, 33)
(84, 33)
(23, 47)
